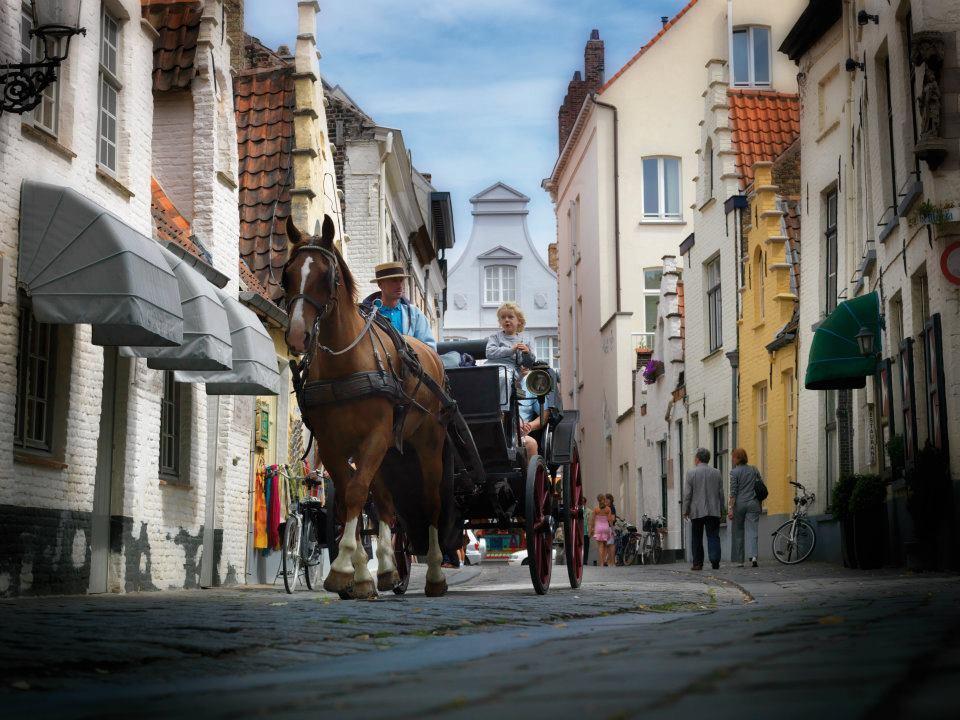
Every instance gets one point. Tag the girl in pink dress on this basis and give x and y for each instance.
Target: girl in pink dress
(601, 529)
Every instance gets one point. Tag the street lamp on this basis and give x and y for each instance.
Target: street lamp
(22, 84)
(865, 338)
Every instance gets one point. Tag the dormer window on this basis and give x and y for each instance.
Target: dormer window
(751, 56)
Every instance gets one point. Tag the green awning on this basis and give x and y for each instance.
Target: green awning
(835, 362)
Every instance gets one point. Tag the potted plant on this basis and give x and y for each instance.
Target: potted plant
(652, 370)
(931, 213)
(840, 507)
(866, 507)
(927, 493)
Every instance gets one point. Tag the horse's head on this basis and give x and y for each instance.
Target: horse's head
(313, 279)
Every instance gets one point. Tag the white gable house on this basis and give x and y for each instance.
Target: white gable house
(500, 264)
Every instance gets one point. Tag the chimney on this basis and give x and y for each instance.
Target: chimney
(581, 85)
(233, 10)
(664, 20)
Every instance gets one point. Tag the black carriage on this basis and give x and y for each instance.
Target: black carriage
(495, 486)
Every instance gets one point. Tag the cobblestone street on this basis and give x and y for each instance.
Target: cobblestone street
(631, 642)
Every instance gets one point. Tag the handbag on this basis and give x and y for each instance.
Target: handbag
(760, 488)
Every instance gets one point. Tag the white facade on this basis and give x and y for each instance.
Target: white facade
(659, 424)
(501, 263)
(146, 533)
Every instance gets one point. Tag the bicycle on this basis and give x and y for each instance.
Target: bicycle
(652, 549)
(794, 540)
(302, 551)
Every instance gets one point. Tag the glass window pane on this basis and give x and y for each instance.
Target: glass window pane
(671, 186)
(761, 56)
(651, 195)
(650, 303)
(652, 278)
(741, 57)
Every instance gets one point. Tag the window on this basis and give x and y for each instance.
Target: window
(45, 115)
(760, 406)
(714, 305)
(830, 251)
(721, 460)
(934, 383)
(109, 92)
(662, 452)
(36, 369)
(908, 400)
(652, 278)
(661, 188)
(886, 97)
(170, 428)
(500, 284)
(547, 349)
(751, 56)
(760, 292)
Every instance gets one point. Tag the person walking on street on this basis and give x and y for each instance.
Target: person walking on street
(613, 545)
(587, 524)
(703, 504)
(601, 531)
(744, 508)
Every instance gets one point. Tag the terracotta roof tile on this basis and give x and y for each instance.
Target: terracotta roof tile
(249, 281)
(178, 24)
(660, 34)
(168, 224)
(765, 123)
(264, 100)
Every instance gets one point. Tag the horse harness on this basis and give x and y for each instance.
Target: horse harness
(385, 382)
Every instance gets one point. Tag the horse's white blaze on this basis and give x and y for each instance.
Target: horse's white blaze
(297, 319)
(385, 559)
(434, 558)
(348, 544)
(361, 573)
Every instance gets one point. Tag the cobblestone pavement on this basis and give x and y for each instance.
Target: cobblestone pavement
(655, 641)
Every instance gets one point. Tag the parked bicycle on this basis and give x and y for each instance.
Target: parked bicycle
(647, 546)
(794, 541)
(302, 549)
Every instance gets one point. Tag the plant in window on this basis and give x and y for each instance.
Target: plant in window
(652, 371)
(931, 213)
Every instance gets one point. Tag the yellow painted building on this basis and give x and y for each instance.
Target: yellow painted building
(768, 329)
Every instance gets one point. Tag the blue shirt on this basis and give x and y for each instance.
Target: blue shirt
(394, 315)
(408, 320)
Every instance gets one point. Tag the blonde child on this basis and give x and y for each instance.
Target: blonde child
(502, 348)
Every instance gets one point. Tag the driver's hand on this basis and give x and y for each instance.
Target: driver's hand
(525, 428)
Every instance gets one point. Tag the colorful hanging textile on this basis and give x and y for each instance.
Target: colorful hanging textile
(273, 508)
(260, 509)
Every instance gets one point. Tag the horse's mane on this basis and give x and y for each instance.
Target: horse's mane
(349, 282)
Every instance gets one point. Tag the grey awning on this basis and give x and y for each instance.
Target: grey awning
(255, 370)
(82, 265)
(206, 330)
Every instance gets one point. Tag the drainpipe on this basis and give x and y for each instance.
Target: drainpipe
(574, 252)
(616, 189)
(730, 42)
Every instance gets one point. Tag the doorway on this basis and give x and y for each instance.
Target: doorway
(102, 489)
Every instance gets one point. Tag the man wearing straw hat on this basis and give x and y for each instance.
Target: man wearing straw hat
(390, 302)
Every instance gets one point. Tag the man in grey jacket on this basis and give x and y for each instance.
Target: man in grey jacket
(703, 504)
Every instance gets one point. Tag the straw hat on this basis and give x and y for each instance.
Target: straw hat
(389, 271)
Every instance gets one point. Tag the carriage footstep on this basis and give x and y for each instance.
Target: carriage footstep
(388, 581)
(436, 589)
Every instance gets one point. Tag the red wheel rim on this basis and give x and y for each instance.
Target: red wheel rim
(542, 539)
(575, 506)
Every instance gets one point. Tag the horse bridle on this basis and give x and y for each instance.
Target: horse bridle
(332, 278)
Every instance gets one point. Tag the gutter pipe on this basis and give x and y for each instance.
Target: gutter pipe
(616, 189)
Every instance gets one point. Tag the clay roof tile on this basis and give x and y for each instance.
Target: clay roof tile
(764, 124)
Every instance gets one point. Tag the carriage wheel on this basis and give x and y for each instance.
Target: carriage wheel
(573, 519)
(402, 557)
(538, 512)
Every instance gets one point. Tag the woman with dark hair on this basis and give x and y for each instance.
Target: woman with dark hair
(744, 509)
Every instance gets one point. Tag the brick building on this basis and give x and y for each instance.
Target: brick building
(120, 475)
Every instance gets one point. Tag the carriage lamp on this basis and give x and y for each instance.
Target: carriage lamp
(540, 382)
(863, 17)
(54, 22)
(865, 338)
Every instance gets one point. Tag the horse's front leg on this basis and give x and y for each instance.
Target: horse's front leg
(387, 575)
(345, 573)
(432, 467)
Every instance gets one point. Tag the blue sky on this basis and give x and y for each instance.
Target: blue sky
(474, 85)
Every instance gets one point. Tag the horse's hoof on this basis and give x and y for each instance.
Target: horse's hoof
(363, 590)
(338, 582)
(436, 589)
(388, 581)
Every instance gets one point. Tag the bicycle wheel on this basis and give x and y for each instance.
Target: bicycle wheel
(657, 551)
(311, 554)
(290, 555)
(646, 552)
(794, 541)
(630, 555)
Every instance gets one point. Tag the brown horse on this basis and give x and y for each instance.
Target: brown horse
(354, 437)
